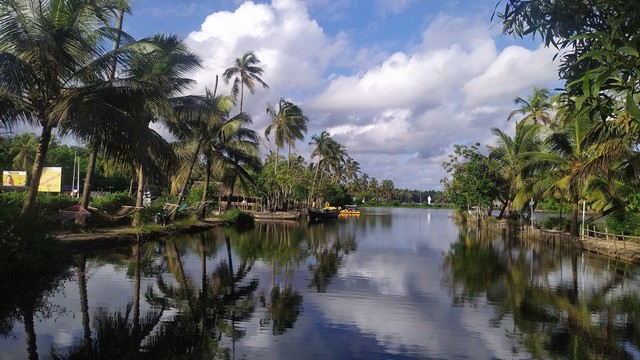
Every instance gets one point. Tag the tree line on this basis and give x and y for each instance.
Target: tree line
(68, 67)
(579, 146)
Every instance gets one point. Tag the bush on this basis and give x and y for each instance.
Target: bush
(240, 219)
(113, 202)
(627, 222)
(195, 195)
(563, 224)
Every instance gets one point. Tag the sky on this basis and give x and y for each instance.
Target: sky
(397, 82)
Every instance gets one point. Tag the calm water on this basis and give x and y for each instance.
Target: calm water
(391, 284)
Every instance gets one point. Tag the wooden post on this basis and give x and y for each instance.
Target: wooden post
(606, 234)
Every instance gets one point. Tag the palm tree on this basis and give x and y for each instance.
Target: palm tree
(352, 169)
(246, 72)
(387, 188)
(535, 108)
(288, 123)
(48, 50)
(226, 144)
(23, 150)
(514, 155)
(164, 68)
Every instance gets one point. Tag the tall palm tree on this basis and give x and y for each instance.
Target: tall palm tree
(164, 68)
(535, 108)
(288, 123)
(352, 169)
(514, 155)
(246, 72)
(48, 49)
(226, 143)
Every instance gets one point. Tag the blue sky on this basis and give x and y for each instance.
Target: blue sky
(397, 82)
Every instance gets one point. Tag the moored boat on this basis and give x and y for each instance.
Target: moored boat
(325, 213)
(276, 216)
(350, 210)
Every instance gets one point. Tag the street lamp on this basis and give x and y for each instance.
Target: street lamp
(531, 202)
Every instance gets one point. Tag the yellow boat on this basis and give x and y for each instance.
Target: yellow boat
(350, 210)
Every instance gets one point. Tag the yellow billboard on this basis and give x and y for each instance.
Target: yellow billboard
(14, 178)
(51, 179)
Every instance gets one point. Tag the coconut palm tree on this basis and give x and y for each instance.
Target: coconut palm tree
(288, 123)
(23, 150)
(535, 108)
(514, 155)
(164, 68)
(49, 49)
(226, 143)
(246, 72)
(352, 169)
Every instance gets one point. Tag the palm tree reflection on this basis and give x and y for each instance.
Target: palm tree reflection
(552, 318)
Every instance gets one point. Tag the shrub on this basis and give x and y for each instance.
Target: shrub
(240, 219)
(195, 195)
(113, 202)
(627, 222)
(556, 222)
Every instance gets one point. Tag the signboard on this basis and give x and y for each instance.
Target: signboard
(14, 178)
(51, 179)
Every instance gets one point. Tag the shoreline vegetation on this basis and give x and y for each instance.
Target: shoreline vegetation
(571, 150)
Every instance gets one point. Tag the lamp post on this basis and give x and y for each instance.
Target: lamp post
(531, 202)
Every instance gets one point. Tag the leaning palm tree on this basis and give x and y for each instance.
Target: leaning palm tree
(246, 72)
(48, 49)
(164, 68)
(225, 143)
(288, 123)
(535, 108)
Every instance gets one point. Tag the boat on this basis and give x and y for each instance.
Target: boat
(275, 216)
(328, 212)
(350, 210)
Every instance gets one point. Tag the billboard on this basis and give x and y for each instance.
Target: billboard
(51, 179)
(14, 178)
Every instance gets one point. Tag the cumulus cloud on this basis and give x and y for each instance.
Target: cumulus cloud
(398, 113)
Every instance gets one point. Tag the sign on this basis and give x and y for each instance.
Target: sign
(14, 178)
(51, 179)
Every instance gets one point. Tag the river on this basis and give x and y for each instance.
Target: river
(392, 283)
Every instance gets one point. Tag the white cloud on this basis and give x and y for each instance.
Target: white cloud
(514, 72)
(398, 113)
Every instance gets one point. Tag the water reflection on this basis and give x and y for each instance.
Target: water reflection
(562, 303)
(392, 283)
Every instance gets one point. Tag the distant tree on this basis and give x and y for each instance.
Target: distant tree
(289, 124)
(246, 72)
(535, 108)
(467, 183)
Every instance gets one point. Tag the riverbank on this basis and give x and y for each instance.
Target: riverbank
(126, 235)
(614, 247)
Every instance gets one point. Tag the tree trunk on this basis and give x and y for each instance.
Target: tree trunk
(575, 208)
(183, 189)
(205, 191)
(36, 172)
(86, 189)
(230, 196)
(276, 162)
(137, 216)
